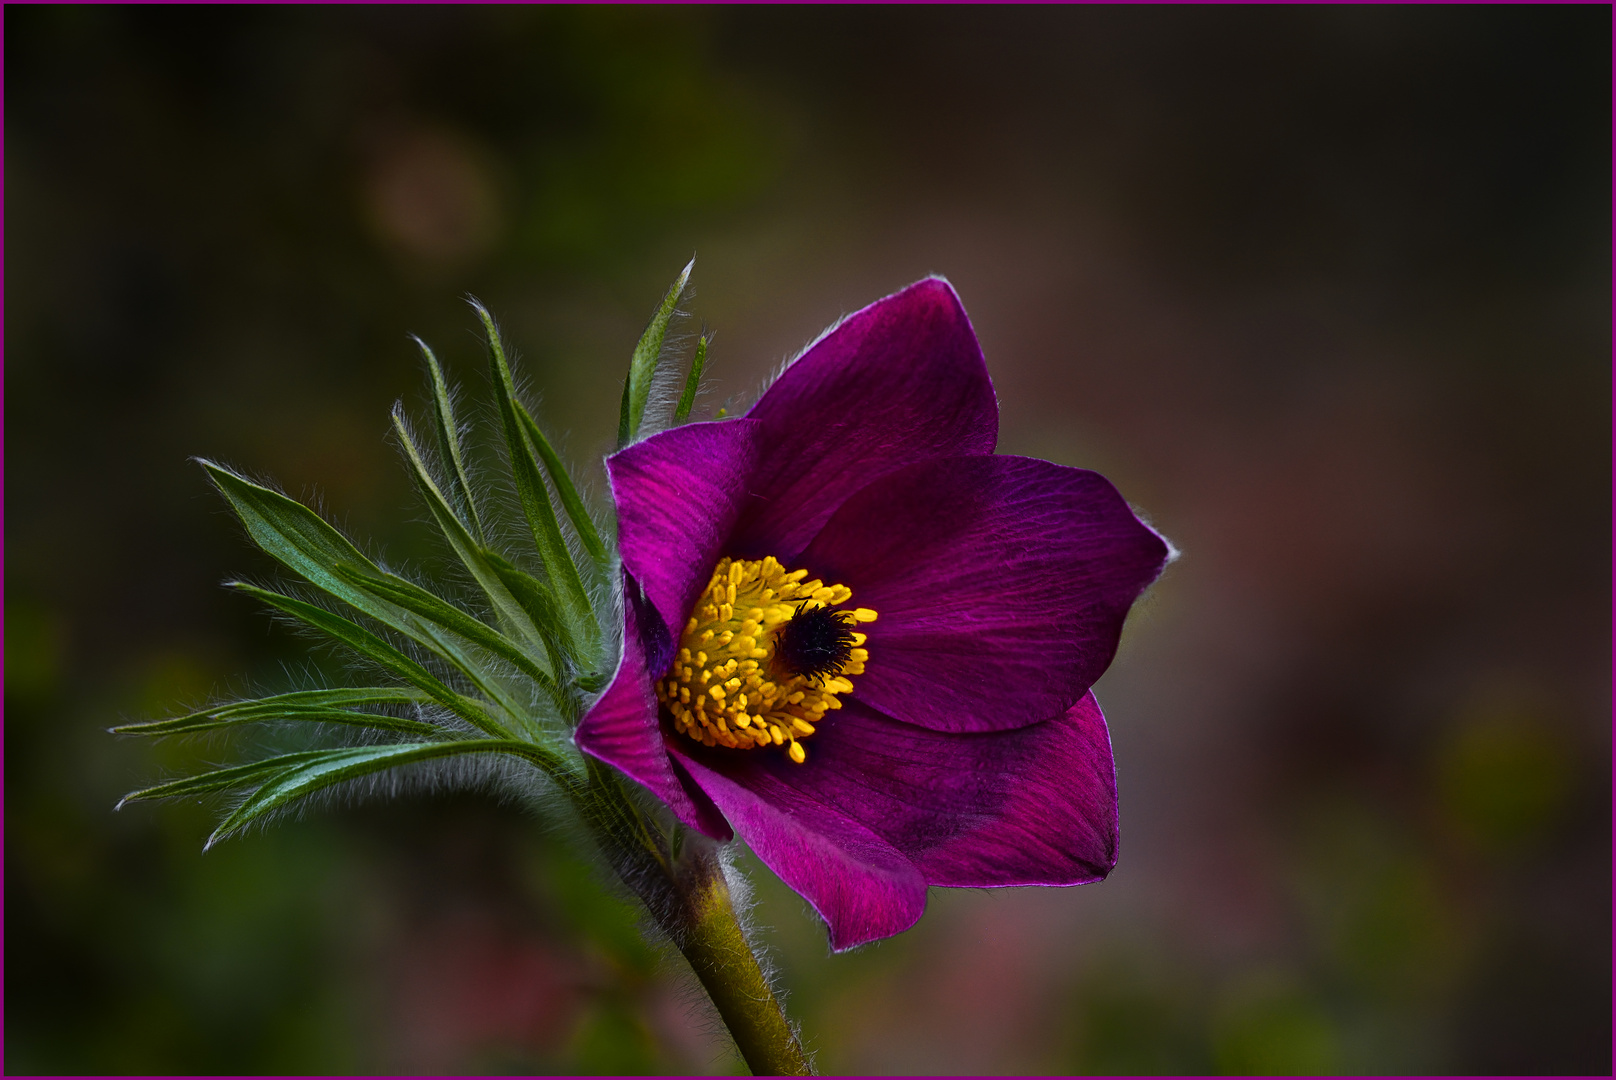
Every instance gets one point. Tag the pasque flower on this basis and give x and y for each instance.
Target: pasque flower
(864, 641)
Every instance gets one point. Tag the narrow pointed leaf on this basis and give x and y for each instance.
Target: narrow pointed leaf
(513, 615)
(692, 382)
(539, 602)
(448, 433)
(535, 498)
(642, 366)
(333, 698)
(298, 537)
(379, 651)
(223, 779)
(414, 599)
(336, 766)
(582, 523)
(308, 714)
(485, 680)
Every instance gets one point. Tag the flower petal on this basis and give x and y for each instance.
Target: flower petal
(678, 494)
(1032, 806)
(862, 886)
(622, 730)
(901, 381)
(1001, 582)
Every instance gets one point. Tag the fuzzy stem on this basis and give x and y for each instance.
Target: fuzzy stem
(716, 946)
(681, 879)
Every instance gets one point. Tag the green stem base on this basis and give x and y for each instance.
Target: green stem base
(681, 879)
(716, 946)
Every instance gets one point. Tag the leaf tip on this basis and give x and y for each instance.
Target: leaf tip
(430, 357)
(483, 314)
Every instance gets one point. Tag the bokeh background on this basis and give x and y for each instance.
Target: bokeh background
(1325, 291)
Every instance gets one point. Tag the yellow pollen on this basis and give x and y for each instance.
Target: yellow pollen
(725, 688)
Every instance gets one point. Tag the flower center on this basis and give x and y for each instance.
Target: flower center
(762, 657)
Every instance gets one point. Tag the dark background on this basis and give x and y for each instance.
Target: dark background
(1325, 291)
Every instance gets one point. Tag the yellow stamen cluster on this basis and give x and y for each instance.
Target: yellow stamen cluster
(726, 688)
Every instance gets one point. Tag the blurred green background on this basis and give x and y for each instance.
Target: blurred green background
(1325, 291)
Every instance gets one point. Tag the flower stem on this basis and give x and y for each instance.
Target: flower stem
(681, 879)
(716, 946)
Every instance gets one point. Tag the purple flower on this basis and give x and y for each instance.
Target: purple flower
(862, 640)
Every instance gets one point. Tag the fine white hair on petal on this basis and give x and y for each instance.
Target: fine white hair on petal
(1172, 549)
(781, 367)
(836, 324)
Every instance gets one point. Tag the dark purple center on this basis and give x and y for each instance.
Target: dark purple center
(816, 642)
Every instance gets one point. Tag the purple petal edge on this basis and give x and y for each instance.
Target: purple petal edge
(1057, 821)
(900, 381)
(1035, 805)
(678, 494)
(622, 730)
(863, 887)
(1001, 582)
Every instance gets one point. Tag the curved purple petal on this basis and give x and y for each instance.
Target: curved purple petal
(1032, 806)
(863, 887)
(901, 381)
(1044, 810)
(622, 730)
(678, 494)
(1001, 583)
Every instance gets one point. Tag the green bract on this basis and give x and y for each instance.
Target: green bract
(642, 368)
(507, 672)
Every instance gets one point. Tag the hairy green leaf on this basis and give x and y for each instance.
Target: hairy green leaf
(223, 779)
(332, 697)
(692, 382)
(297, 536)
(301, 539)
(256, 708)
(448, 433)
(336, 766)
(379, 651)
(582, 523)
(308, 714)
(513, 616)
(577, 614)
(417, 600)
(539, 601)
(642, 365)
